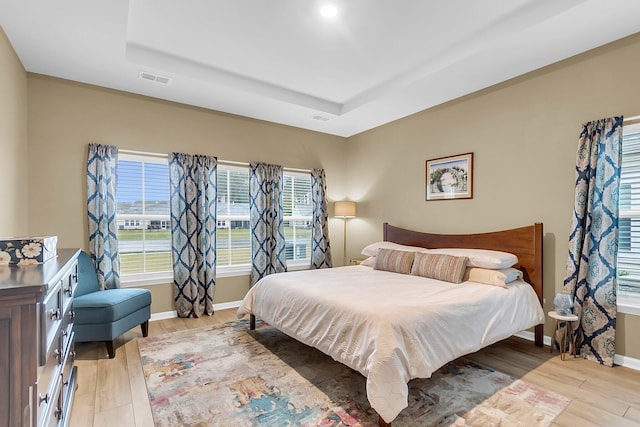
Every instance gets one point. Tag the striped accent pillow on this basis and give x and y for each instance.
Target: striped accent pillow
(396, 261)
(441, 267)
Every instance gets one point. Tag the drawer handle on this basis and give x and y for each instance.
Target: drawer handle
(74, 277)
(54, 314)
(72, 314)
(58, 413)
(72, 354)
(68, 290)
(42, 398)
(57, 354)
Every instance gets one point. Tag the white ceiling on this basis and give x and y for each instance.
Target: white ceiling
(279, 60)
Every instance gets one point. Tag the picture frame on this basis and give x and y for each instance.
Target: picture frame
(449, 178)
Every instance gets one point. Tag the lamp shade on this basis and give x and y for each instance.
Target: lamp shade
(345, 209)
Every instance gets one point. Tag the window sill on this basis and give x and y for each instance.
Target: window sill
(298, 265)
(245, 269)
(146, 279)
(233, 270)
(629, 304)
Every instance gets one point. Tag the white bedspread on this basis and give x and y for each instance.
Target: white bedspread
(390, 327)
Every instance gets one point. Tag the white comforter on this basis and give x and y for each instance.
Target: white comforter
(390, 327)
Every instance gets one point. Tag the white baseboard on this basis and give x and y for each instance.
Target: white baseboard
(163, 315)
(626, 361)
(171, 314)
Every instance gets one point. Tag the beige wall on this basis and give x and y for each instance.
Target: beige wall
(523, 134)
(524, 137)
(14, 175)
(65, 116)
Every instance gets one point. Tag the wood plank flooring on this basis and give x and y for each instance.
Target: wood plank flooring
(113, 391)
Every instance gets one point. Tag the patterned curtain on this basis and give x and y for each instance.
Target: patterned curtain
(193, 232)
(593, 243)
(320, 246)
(101, 213)
(266, 217)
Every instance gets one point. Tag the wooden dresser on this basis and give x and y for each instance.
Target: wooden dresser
(37, 373)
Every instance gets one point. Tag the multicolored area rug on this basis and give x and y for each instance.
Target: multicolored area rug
(230, 376)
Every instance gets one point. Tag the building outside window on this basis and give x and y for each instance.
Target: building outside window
(144, 236)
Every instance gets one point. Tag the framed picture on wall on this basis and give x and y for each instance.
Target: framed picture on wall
(450, 177)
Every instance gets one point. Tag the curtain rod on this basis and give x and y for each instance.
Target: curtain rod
(231, 162)
(225, 162)
(142, 153)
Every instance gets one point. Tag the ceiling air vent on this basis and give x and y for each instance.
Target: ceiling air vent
(144, 75)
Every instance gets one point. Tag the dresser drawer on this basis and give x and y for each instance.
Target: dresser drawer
(49, 372)
(50, 321)
(66, 327)
(69, 378)
(49, 402)
(69, 284)
(69, 358)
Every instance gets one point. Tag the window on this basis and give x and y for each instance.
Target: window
(298, 216)
(144, 230)
(233, 236)
(144, 226)
(629, 221)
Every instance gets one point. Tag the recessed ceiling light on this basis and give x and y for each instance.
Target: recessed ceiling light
(329, 11)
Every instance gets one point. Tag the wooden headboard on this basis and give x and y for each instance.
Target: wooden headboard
(524, 242)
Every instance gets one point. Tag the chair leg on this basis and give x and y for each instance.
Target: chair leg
(145, 328)
(111, 350)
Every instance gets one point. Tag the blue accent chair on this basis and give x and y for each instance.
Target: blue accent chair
(107, 314)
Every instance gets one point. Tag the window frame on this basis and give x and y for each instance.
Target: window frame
(628, 302)
(164, 277)
(232, 270)
(306, 262)
(245, 269)
(145, 278)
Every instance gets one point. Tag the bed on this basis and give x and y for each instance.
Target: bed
(394, 327)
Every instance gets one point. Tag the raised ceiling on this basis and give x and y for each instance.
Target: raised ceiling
(281, 61)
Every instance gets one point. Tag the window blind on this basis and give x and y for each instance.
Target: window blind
(629, 214)
(144, 236)
(233, 236)
(298, 215)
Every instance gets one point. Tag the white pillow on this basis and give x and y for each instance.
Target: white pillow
(372, 249)
(369, 262)
(492, 277)
(482, 258)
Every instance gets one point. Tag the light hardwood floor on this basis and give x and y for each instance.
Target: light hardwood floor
(113, 392)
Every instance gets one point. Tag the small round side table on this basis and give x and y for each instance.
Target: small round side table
(565, 336)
